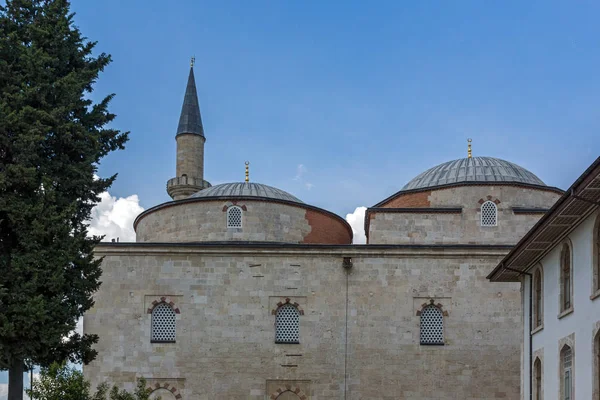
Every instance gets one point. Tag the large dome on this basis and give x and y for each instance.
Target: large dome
(475, 169)
(245, 189)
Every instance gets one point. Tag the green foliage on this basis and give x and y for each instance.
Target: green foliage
(52, 137)
(59, 382)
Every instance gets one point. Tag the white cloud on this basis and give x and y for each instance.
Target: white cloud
(300, 171)
(114, 217)
(357, 222)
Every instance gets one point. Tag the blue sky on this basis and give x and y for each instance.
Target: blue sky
(363, 95)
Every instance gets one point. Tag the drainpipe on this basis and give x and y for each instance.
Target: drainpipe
(530, 327)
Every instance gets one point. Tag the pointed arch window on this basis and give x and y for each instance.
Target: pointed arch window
(234, 217)
(537, 371)
(163, 324)
(566, 273)
(566, 373)
(489, 214)
(538, 298)
(432, 326)
(287, 324)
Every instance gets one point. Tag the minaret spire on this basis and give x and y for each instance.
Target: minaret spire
(190, 139)
(190, 120)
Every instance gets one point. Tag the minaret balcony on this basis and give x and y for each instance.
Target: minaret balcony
(183, 186)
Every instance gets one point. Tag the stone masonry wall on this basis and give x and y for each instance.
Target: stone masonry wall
(190, 155)
(207, 221)
(225, 329)
(465, 228)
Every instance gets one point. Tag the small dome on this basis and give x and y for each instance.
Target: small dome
(245, 189)
(475, 169)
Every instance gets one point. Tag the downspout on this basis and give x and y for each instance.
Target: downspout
(530, 327)
(347, 264)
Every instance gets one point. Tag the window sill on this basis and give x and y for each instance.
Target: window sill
(565, 313)
(595, 295)
(432, 344)
(276, 342)
(536, 330)
(162, 341)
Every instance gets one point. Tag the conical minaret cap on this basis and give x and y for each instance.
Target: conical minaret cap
(190, 120)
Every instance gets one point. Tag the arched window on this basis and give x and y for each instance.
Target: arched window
(163, 394)
(596, 255)
(566, 271)
(489, 214)
(596, 365)
(566, 373)
(432, 326)
(537, 376)
(163, 323)
(287, 324)
(538, 297)
(234, 217)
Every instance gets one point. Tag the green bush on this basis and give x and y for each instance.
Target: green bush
(59, 382)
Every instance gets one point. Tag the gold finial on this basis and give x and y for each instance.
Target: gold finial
(469, 151)
(247, 172)
(192, 61)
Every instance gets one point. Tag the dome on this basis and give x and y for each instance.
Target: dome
(475, 169)
(245, 189)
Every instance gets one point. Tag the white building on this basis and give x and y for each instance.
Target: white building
(558, 263)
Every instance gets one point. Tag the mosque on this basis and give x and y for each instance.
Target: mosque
(243, 291)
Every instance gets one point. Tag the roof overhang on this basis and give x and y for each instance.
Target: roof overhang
(576, 204)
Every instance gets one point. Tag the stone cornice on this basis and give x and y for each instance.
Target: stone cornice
(278, 249)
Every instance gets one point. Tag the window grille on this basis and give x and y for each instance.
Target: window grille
(287, 321)
(163, 323)
(489, 214)
(432, 325)
(234, 217)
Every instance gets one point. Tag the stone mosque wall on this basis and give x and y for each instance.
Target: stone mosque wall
(458, 227)
(201, 221)
(225, 298)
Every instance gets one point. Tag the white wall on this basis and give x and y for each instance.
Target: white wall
(581, 322)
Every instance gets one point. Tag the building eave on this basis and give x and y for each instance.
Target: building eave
(571, 209)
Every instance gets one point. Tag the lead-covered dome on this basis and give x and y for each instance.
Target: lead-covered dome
(475, 169)
(245, 189)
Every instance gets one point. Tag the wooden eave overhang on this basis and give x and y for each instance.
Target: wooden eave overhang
(570, 210)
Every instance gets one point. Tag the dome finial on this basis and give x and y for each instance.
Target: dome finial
(247, 171)
(469, 154)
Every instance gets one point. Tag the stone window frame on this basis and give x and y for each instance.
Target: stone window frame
(488, 199)
(568, 341)
(596, 360)
(288, 388)
(538, 301)
(164, 385)
(440, 307)
(274, 311)
(563, 310)
(163, 300)
(226, 210)
(596, 259)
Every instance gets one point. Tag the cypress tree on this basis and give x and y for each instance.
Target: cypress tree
(52, 137)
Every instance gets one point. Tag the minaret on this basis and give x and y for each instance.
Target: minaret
(190, 146)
